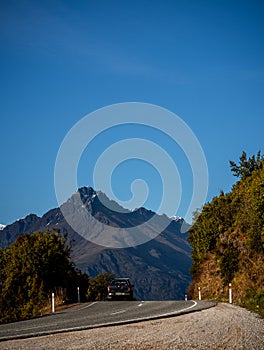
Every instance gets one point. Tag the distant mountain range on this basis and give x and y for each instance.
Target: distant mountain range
(159, 268)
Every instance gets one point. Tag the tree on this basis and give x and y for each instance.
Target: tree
(246, 166)
(30, 269)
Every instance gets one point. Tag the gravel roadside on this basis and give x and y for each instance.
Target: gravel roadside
(222, 327)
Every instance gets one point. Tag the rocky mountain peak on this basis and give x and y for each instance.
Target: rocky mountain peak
(86, 192)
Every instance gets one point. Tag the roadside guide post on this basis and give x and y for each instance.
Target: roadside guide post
(230, 292)
(199, 293)
(78, 294)
(52, 302)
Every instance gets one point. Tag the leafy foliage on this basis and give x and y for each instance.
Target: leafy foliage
(246, 166)
(228, 235)
(32, 267)
(214, 220)
(98, 286)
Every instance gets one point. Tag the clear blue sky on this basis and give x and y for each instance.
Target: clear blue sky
(60, 60)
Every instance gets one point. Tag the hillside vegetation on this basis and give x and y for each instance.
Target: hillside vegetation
(36, 265)
(228, 240)
(31, 269)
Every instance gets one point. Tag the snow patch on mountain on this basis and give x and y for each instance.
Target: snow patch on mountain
(176, 218)
(2, 226)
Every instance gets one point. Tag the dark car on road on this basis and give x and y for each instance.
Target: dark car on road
(120, 288)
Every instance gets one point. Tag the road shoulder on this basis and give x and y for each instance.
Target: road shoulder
(224, 326)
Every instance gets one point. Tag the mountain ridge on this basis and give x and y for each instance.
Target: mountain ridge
(159, 268)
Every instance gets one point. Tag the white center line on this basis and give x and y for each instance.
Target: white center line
(118, 312)
(85, 307)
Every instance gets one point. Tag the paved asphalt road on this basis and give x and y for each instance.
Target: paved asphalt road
(98, 314)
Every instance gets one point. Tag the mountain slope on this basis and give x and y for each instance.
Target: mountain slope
(159, 268)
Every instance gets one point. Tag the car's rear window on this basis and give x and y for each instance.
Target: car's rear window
(119, 282)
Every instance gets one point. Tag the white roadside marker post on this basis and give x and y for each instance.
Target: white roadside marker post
(230, 292)
(199, 293)
(78, 294)
(52, 302)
